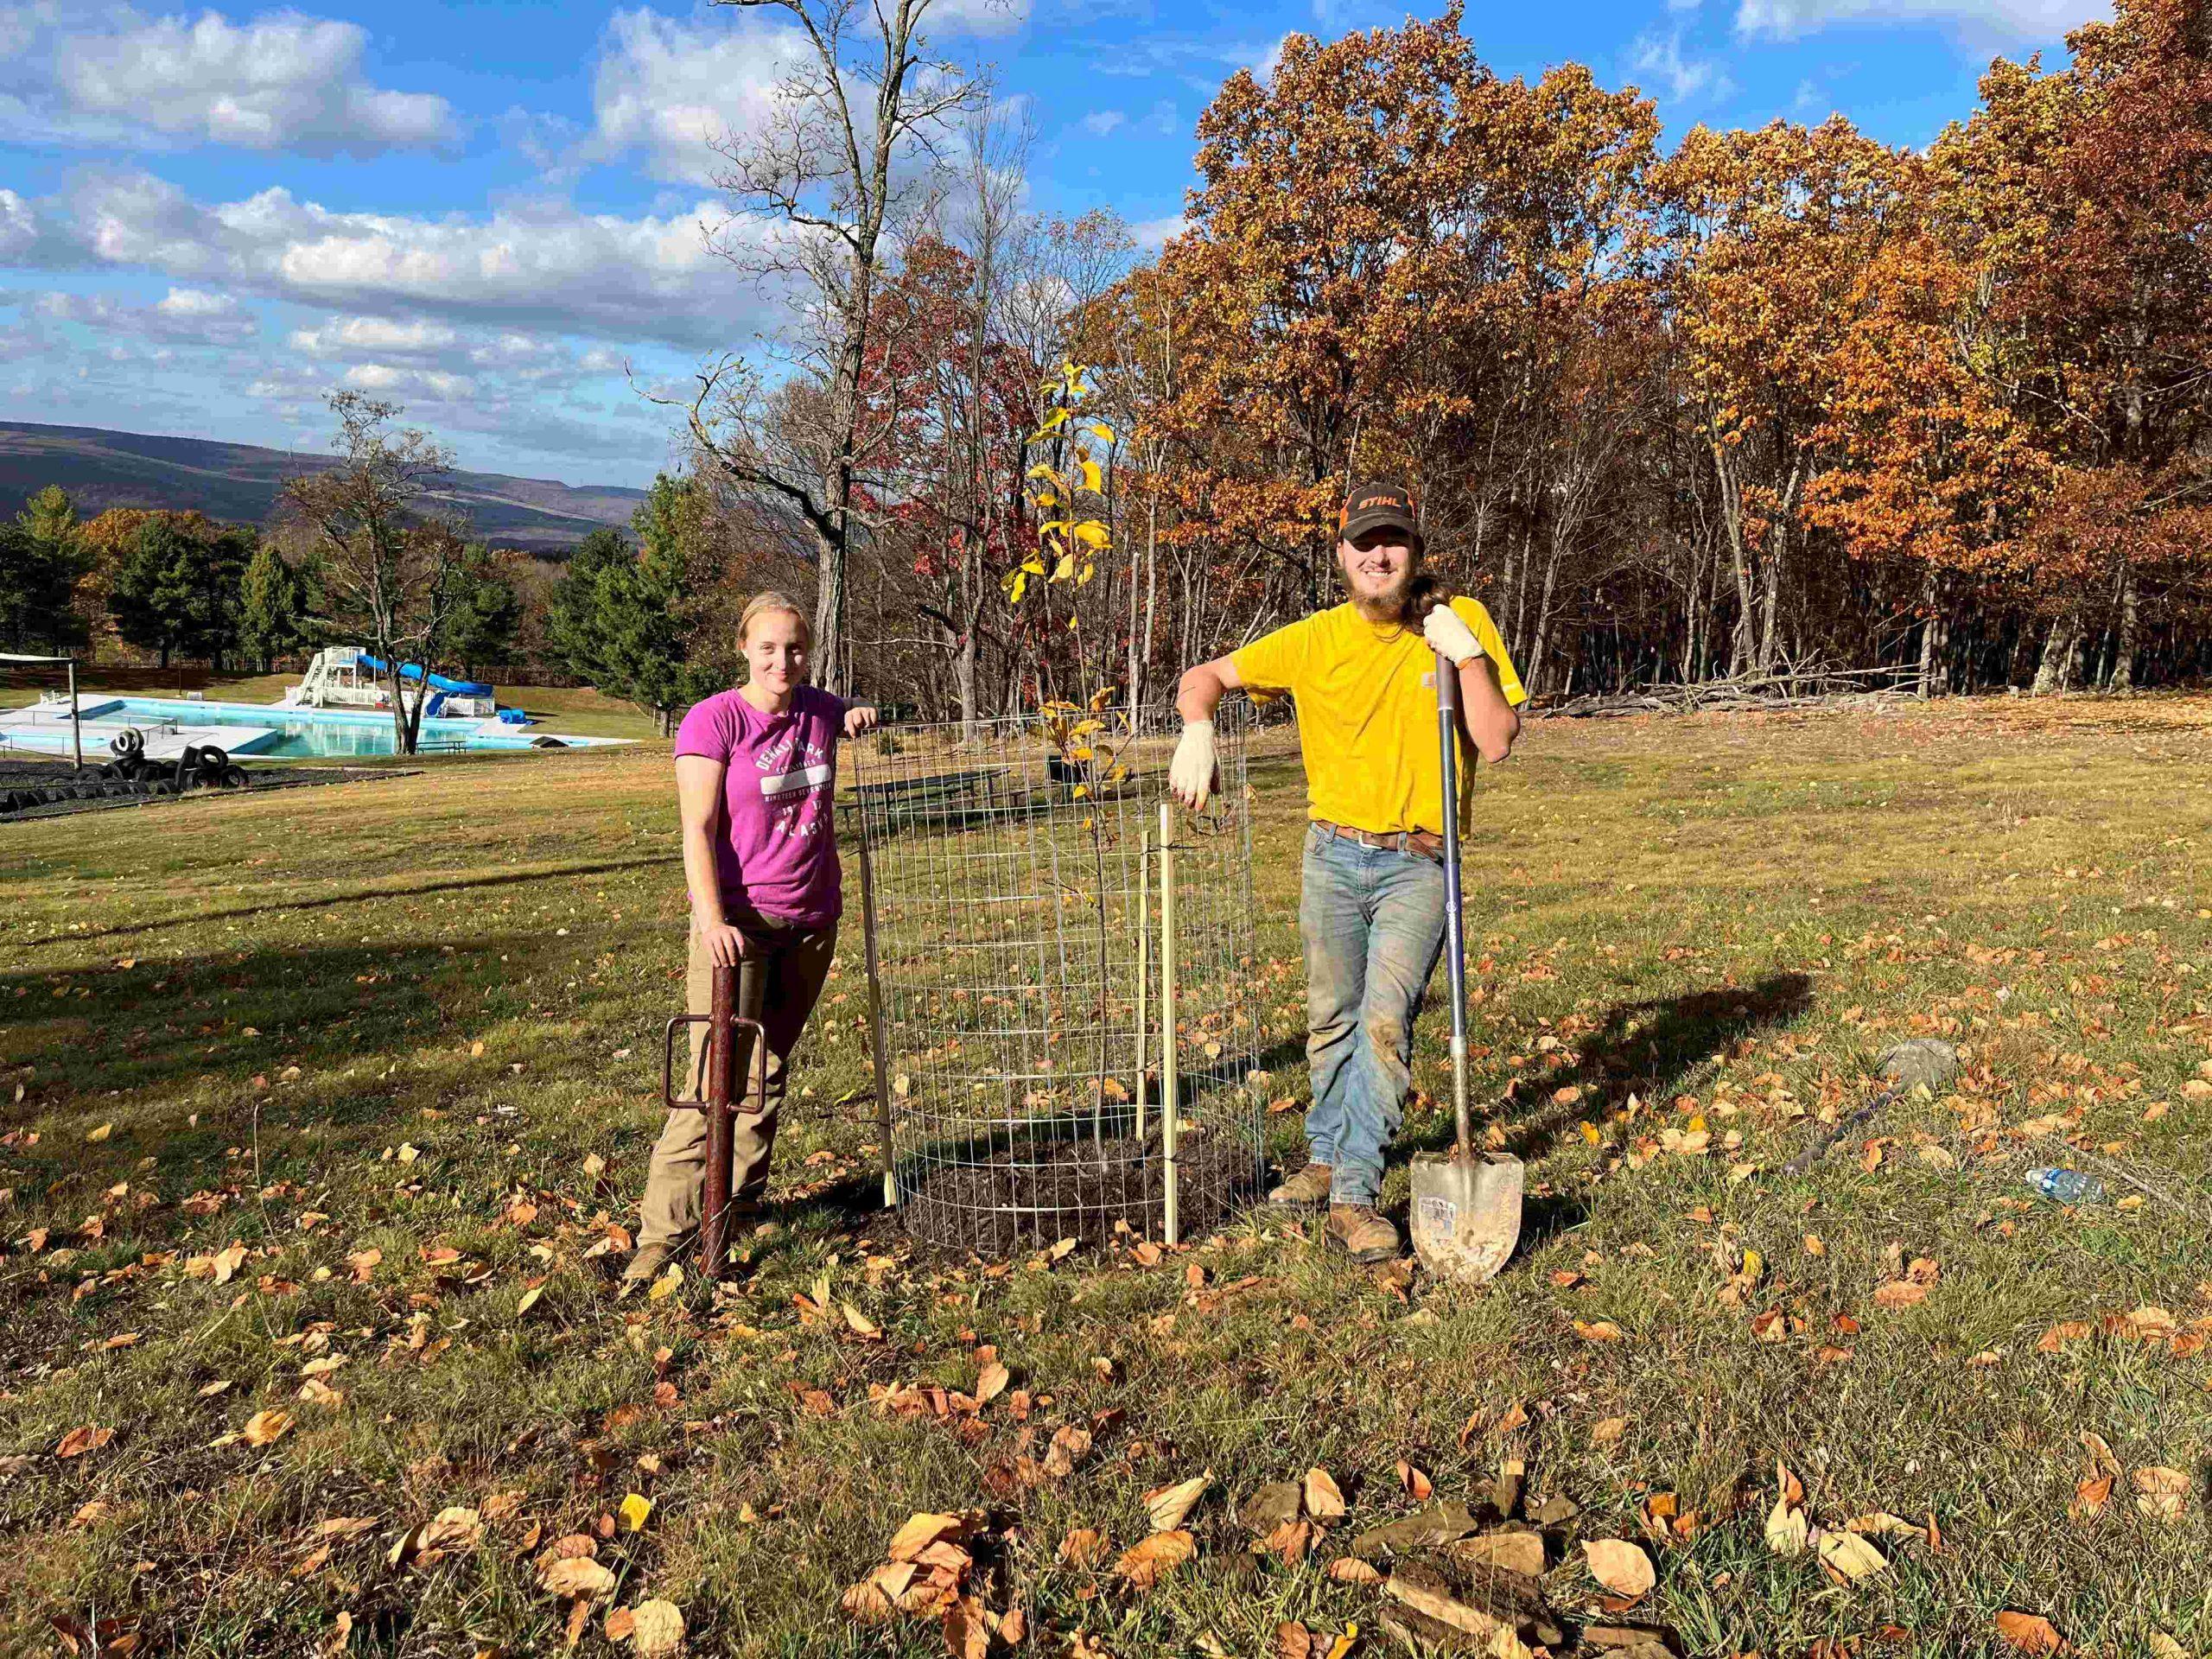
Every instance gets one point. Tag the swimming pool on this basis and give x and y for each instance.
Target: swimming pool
(262, 730)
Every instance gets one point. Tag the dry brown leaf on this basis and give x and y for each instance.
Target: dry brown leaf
(575, 1575)
(1325, 1499)
(1900, 1293)
(1621, 1567)
(2090, 1497)
(1416, 1481)
(1350, 1569)
(991, 1382)
(966, 1628)
(1166, 1506)
(1608, 1430)
(1143, 1565)
(2161, 1493)
(1293, 1641)
(1597, 1331)
(657, 1629)
(78, 1442)
(1080, 1548)
(2029, 1632)
(922, 1530)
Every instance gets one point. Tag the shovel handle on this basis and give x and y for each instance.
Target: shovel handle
(1455, 952)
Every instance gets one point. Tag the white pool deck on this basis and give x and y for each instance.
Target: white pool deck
(44, 729)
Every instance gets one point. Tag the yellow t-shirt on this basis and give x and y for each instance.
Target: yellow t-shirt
(1366, 696)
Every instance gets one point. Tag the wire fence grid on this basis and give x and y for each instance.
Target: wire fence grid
(1012, 872)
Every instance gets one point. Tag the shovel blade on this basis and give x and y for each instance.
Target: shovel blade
(1467, 1214)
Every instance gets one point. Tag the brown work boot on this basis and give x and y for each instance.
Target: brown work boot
(1362, 1231)
(1309, 1185)
(644, 1265)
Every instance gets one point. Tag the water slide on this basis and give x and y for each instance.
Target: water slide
(439, 682)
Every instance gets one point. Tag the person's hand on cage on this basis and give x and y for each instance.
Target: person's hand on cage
(725, 943)
(860, 719)
(1191, 774)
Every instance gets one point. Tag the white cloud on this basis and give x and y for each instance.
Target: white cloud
(1099, 123)
(346, 336)
(1661, 60)
(187, 316)
(1977, 22)
(670, 89)
(547, 267)
(102, 73)
(1153, 234)
(978, 16)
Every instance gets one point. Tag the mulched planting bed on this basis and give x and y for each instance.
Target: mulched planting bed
(1038, 1192)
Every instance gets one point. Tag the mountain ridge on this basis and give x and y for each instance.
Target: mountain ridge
(102, 467)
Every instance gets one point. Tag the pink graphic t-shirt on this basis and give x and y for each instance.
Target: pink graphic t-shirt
(776, 845)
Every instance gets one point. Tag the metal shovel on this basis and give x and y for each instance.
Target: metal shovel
(1467, 1209)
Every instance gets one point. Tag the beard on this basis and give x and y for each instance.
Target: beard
(1390, 604)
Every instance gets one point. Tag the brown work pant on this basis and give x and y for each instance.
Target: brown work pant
(779, 980)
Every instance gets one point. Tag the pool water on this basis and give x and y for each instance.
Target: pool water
(301, 733)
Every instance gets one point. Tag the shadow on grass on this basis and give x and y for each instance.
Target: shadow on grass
(362, 896)
(1650, 1047)
(165, 1024)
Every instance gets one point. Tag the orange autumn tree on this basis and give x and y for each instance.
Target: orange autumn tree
(2083, 199)
(1761, 239)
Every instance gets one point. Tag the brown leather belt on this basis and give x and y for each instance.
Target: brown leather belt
(1423, 842)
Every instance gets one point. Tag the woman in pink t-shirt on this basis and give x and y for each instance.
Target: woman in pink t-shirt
(755, 769)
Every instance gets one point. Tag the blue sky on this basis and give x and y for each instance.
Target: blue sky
(489, 210)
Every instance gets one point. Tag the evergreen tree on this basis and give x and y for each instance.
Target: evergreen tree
(485, 617)
(176, 589)
(274, 603)
(623, 620)
(41, 561)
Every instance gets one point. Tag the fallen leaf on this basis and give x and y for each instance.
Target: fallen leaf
(1080, 1548)
(1900, 1293)
(1416, 1481)
(991, 1382)
(2161, 1493)
(1325, 1499)
(1607, 1430)
(1597, 1331)
(966, 1628)
(923, 1529)
(859, 1323)
(78, 1442)
(1143, 1565)
(575, 1575)
(2090, 1497)
(1849, 1556)
(1350, 1569)
(2029, 1632)
(1166, 1506)
(266, 1428)
(101, 1133)
(635, 1510)
(1621, 1567)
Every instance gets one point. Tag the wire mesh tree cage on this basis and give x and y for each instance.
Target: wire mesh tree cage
(1056, 952)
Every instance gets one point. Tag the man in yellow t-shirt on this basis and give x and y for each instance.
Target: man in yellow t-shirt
(1371, 911)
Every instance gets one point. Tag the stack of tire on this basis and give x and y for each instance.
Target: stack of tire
(132, 774)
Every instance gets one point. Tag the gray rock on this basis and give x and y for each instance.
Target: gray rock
(1919, 1063)
(1439, 1523)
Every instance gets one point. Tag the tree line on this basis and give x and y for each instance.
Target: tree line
(1770, 400)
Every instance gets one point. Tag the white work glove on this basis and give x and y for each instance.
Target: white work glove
(1447, 631)
(1190, 774)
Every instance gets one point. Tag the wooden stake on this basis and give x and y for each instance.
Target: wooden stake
(1144, 963)
(1171, 1099)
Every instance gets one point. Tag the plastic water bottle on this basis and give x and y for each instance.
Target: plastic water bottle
(2067, 1185)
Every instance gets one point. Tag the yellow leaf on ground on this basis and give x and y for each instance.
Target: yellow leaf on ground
(636, 1509)
(1597, 1331)
(1621, 1567)
(1325, 1499)
(101, 1133)
(921, 1531)
(2161, 1493)
(1849, 1556)
(266, 1428)
(575, 1575)
(1166, 1506)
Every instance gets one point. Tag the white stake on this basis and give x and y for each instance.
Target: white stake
(1171, 1099)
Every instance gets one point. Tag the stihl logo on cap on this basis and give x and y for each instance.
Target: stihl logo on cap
(1368, 500)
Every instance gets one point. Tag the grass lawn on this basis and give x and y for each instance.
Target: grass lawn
(328, 1104)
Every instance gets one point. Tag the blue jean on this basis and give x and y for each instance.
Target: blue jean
(1373, 922)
